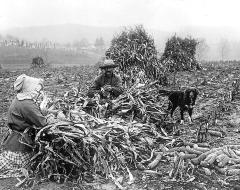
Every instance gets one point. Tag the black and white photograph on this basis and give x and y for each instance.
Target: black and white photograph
(119, 95)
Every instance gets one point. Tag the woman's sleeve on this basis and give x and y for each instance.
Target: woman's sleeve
(31, 112)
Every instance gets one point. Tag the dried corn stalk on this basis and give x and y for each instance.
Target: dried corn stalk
(72, 150)
(134, 50)
(143, 104)
(179, 54)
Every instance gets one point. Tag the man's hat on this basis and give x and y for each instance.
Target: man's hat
(108, 63)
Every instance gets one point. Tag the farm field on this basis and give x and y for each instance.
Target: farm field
(213, 104)
(12, 58)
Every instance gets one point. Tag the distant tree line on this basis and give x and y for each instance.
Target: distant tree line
(221, 50)
(77, 45)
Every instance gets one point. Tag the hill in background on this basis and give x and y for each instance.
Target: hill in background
(65, 33)
(68, 33)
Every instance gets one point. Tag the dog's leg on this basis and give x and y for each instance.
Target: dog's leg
(182, 116)
(190, 114)
(172, 110)
(170, 105)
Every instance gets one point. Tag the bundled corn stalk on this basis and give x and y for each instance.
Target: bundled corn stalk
(141, 103)
(134, 50)
(179, 54)
(74, 150)
(137, 103)
(37, 62)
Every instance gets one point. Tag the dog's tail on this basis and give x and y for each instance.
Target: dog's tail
(164, 92)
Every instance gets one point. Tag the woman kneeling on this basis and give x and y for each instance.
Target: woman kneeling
(24, 116)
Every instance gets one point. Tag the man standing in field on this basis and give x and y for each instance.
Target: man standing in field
(108, 85)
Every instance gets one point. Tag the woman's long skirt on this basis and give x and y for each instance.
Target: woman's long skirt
(12, 163)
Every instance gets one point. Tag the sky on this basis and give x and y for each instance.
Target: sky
(165, 15)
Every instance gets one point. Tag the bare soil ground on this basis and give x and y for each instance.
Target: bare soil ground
(214, 85)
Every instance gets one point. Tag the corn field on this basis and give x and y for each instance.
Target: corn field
(132, 136)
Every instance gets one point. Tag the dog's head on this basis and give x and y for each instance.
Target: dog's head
(191, 96)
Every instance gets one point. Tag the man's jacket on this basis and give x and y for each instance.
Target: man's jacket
(115, 81)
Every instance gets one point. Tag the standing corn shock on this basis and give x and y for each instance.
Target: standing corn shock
(23, 115)
(108, 85)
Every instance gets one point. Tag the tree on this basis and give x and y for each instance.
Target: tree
(67, 44)
(75, 44)
(83, 43)
(99, 43)
(202, 50)
(224, 48)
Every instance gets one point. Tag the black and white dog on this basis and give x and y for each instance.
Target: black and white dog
(185, 100)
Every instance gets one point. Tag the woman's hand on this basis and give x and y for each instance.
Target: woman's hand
(61, 116)
(43, 104)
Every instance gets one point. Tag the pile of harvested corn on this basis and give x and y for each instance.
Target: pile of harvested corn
(134, 48)
(109, 147)
(143, 104)
(88, 148)
(190, 156)
(179, 54)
